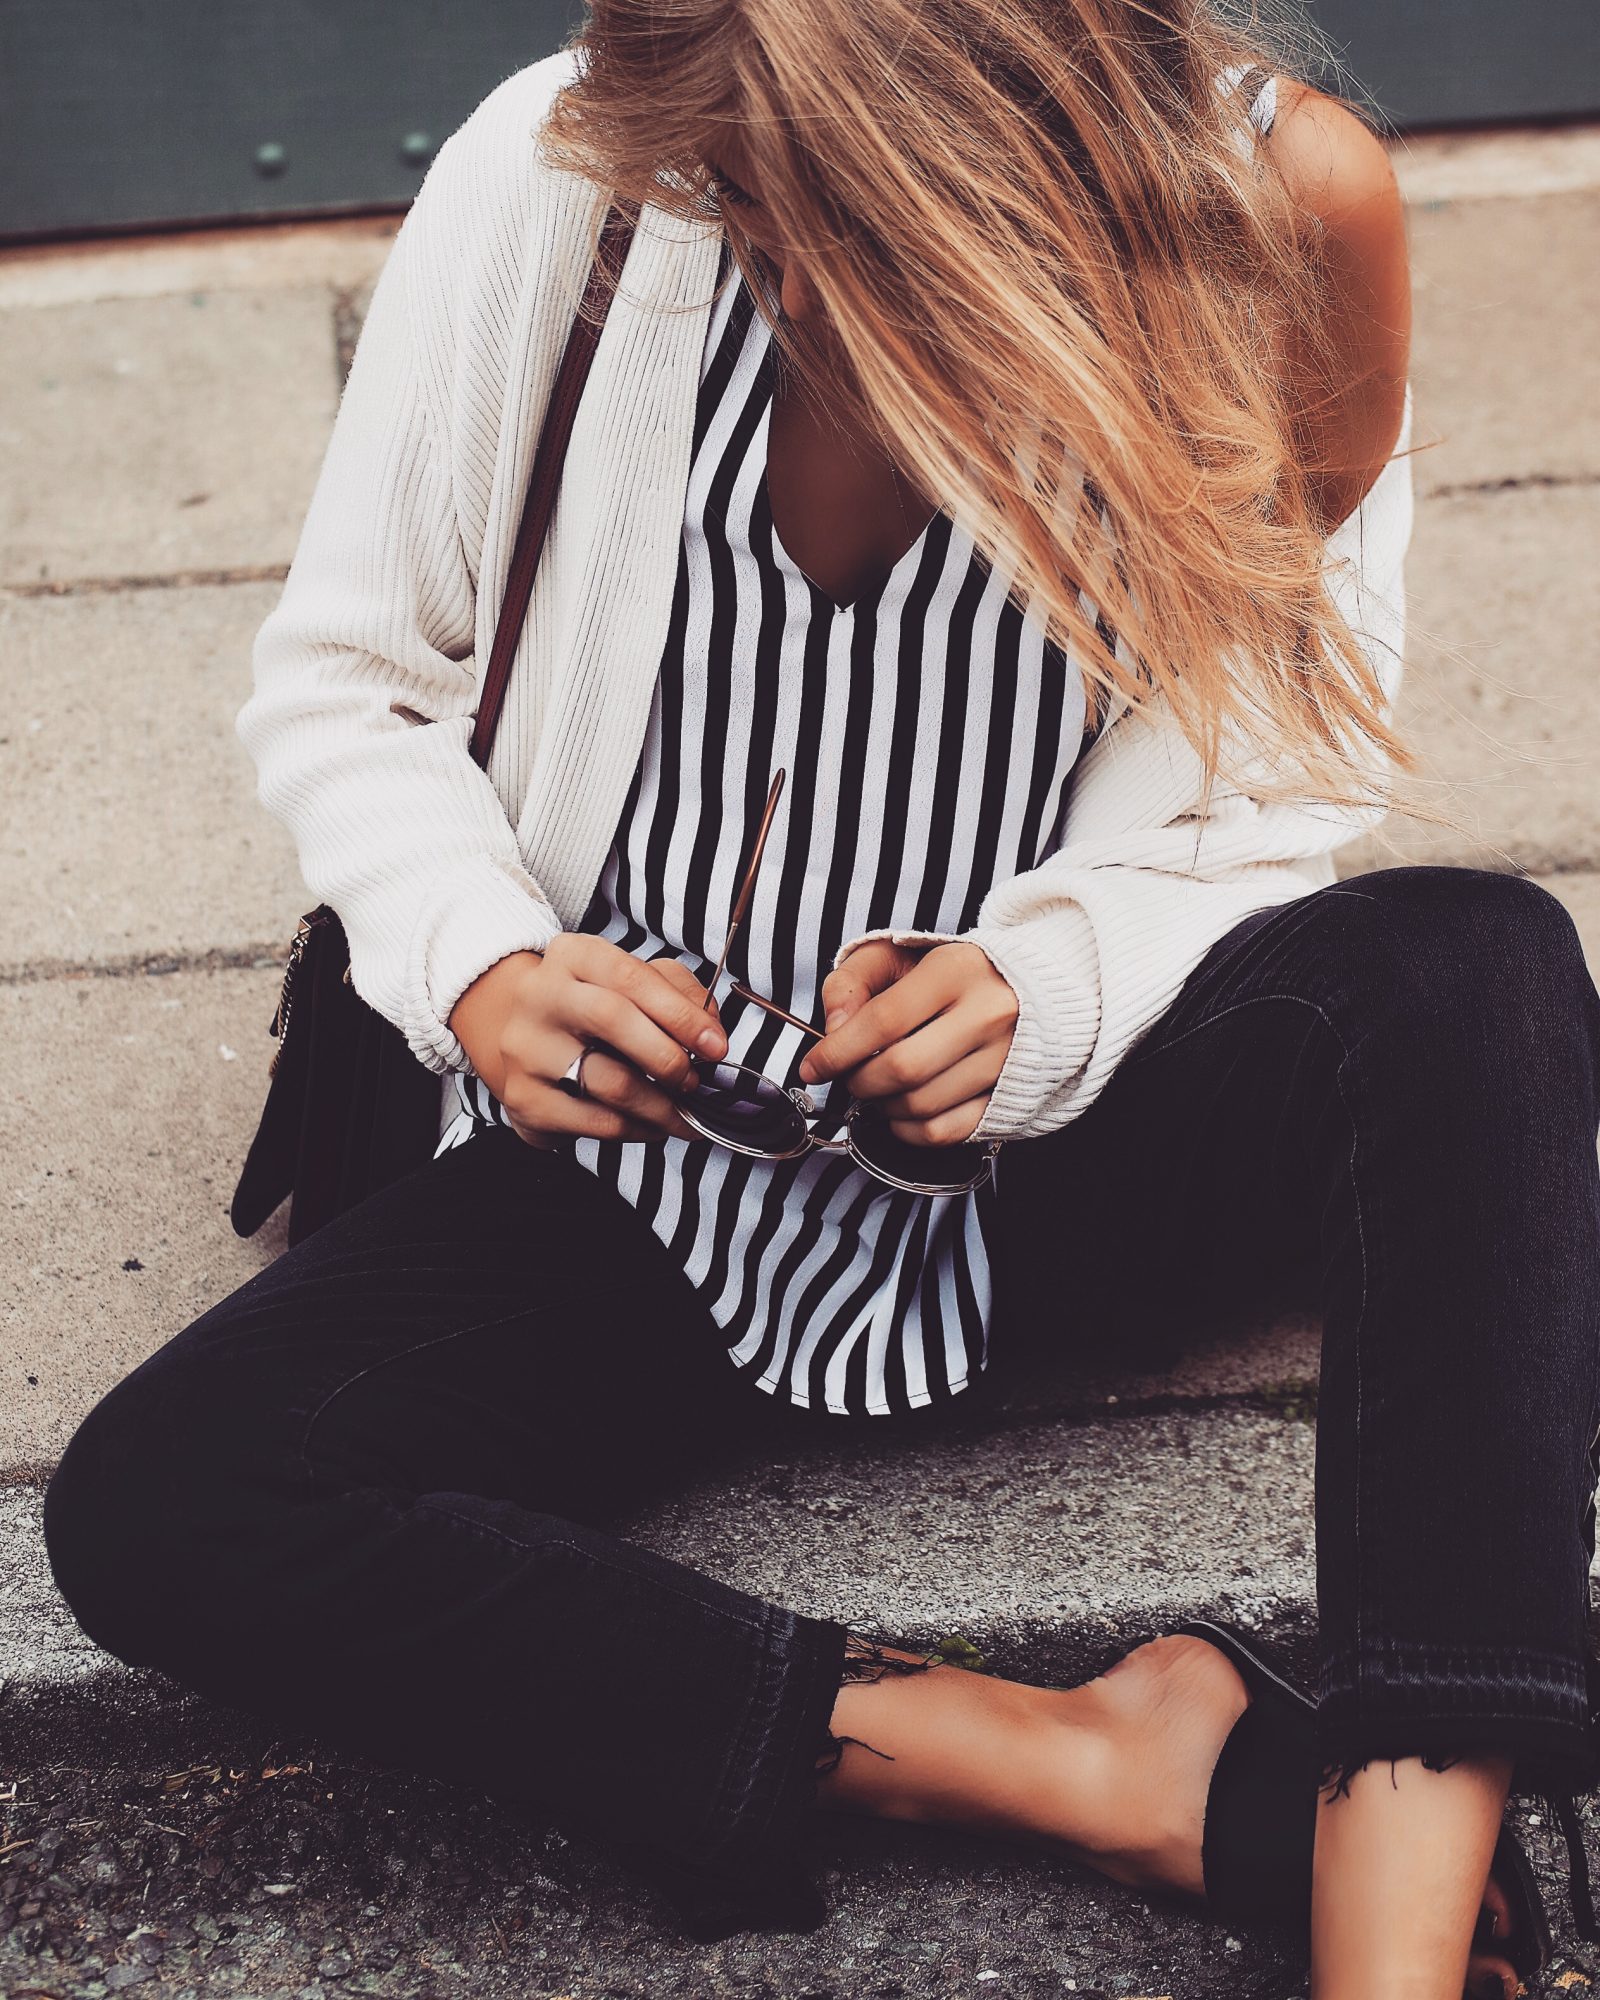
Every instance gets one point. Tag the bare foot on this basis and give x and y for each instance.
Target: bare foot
(1116, 1770)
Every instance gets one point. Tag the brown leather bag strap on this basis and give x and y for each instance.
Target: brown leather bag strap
(539, 505)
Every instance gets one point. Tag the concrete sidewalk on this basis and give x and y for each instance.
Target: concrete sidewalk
(166, 406)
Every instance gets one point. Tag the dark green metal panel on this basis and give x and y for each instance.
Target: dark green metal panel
(1451, 62)
(121, 113)
(115, 113)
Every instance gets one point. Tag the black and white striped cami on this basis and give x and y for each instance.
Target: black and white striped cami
(928, 732)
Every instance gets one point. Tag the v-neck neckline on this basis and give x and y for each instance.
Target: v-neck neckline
(874, 593)
(864, 598)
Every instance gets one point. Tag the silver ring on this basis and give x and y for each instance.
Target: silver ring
(571, 1078)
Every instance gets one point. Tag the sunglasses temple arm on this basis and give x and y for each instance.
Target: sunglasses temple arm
(733, 931)
(748, 888)
(772, 1007)
(727, 946)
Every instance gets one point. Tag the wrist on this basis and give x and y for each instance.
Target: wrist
(478, 1018)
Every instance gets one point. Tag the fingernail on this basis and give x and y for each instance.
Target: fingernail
(712, 1042)
(832, 1018)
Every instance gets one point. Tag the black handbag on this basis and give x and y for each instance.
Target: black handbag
(349, 1108)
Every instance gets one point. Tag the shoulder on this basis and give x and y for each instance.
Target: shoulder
(1335, 166)
(484, 274)
(491, 162)
(505, 124)
(492, 212)
(1340, 178)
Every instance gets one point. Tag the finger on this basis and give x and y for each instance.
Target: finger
(627, 1090)
(545, 1139)
(946, 1128)
(891, 1015)
(962, 1081)
(599, 966)
(531, 1136)
(1496, 1902)
(608, 1079)
(868, 970)
(555, 1115)
(683, 977)
(947, 1039)
(601, 1014)
(1484, 1967)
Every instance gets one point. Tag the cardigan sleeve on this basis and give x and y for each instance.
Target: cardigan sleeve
(1152, 868)
(365, 687)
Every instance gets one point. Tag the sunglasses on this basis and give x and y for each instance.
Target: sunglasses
(751, 1113)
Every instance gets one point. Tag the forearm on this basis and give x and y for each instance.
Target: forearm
(400, 833)
(364, 692)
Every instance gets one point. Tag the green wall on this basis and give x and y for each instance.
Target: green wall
(118, 113)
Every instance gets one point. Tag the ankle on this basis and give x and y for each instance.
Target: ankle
(948, 1747)
(1080, 1758)
(1163, 1713)
(1106, 1797)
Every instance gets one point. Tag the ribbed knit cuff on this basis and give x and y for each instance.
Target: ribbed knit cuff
(1050, 962)
(909, 938)
(475, 916)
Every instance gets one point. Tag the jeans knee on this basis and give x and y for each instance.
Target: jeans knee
(125, 1510)
(94, 1517)
(1523, 938)
(1451, 957)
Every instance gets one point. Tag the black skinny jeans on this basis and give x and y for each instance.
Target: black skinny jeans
(372, 1493)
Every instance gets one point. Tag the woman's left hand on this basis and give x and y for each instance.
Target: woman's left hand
(923, 1030)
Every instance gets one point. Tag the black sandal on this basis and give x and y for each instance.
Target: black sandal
(1261, 1809)
(1261, 1816)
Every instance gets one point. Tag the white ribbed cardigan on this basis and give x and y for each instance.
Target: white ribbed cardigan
(365, 672)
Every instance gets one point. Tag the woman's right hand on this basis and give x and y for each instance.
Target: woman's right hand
(524, 1020)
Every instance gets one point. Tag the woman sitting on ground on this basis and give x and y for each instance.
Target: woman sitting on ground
(1000, 429)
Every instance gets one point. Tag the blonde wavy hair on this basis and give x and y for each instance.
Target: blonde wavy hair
(1066, 279)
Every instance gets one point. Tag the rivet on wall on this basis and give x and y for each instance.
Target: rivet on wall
(271, 159)
(417, 149)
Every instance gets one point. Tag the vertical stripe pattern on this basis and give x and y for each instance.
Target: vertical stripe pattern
(928, 732)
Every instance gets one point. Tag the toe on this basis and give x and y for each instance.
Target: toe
(1490, 1977)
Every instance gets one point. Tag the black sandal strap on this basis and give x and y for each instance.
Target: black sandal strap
(1255, 1665)
(1261, 1817)
(1564, 1811)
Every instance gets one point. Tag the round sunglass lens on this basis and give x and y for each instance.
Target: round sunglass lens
(931, 1169)
(744, 1108)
